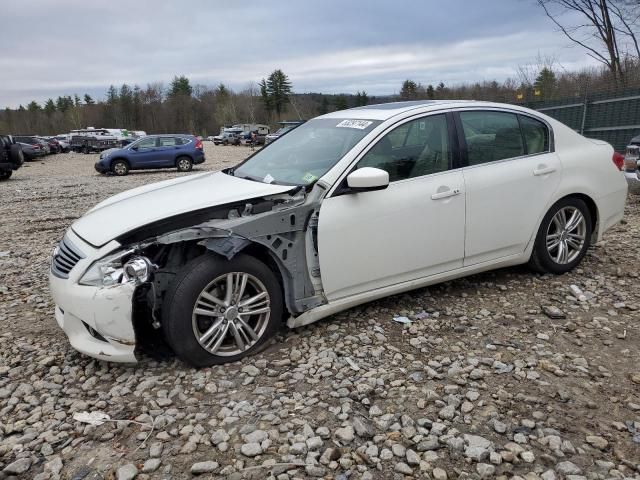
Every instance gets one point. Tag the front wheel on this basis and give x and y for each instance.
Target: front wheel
(563, 238)
(218, 311)
(184, 164)
(5, 174)
(120, 167)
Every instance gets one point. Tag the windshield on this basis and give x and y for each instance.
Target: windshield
(305, 153)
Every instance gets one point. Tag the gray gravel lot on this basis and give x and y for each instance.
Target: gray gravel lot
(483, 383)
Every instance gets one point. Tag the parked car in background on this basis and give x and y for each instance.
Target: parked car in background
(11, 156)
(210, 138)
(349, 207)
(153, 151)
(227, 138)
(54, 145)
(93, 140)
(285, 127)
(32, 151)
(63, 141)
(34, 141)
(632, 166)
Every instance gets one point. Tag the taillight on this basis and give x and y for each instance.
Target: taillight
(199, 144)
(618, 160)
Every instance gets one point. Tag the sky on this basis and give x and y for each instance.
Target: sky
(62, 47)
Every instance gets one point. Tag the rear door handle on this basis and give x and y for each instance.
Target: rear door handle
(543, 170)
(447, 193)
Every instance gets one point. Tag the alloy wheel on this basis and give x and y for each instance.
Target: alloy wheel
(120, 168)
(566, 235)
(231, 314)
(184, 164)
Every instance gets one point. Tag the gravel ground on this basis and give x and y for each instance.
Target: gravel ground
(485, 382)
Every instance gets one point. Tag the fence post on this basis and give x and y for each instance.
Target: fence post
(584, 109)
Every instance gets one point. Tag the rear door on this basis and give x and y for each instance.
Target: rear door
(168, 149)
(510, 173)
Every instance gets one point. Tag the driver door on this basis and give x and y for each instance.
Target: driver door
(412, 229)
(145, 156)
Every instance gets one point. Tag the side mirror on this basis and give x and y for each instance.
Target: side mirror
(367, 178)
(135, 147)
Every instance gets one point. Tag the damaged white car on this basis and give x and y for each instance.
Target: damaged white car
(349, 207)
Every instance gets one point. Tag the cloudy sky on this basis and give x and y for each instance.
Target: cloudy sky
(57, 47)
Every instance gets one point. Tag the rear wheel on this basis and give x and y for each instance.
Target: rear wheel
(218, 311)
(563, 238)
(120, 167)
(184, 164)
(5, 174)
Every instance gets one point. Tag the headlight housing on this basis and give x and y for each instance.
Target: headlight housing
(117, 268)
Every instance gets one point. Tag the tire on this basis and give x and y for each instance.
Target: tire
(16, 155)
(207, 276)
(120, 168)
(5, 174)
(559, 249)
(184, 164)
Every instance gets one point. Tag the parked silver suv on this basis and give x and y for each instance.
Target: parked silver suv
(632, 168)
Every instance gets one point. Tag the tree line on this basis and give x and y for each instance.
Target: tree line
(182, 107)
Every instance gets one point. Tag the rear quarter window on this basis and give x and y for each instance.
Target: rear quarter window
(535, 133)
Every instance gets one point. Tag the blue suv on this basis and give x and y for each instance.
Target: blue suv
(153, 151)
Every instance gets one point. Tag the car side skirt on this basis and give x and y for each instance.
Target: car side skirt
(345, 303)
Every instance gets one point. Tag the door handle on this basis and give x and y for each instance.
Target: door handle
(543, 170)
(447, 193)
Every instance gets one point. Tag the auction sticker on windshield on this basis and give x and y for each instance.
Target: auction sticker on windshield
(359, 124)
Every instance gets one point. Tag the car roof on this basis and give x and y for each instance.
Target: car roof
(169, 135)
(384, 111)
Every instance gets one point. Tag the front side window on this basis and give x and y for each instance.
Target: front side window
(145, 143)
(536, 135)
(491, 136)
(306, 152)
(416, 148)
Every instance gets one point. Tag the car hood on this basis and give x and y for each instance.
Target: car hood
(141, 206)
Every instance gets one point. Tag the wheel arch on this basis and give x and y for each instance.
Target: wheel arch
(124, 159)
(591, 205)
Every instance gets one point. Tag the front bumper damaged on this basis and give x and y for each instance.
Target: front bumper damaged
(97, 320)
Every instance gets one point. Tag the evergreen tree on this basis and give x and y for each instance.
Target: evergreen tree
(544, 84)
(340, 102)
(264, 94)
(431, 93)
(409, 90)
(49, 107)
(88, 100)
(278, 88)
(180, 86)
(33, 106)
(324, 106)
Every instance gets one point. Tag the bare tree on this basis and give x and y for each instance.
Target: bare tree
(606, 28)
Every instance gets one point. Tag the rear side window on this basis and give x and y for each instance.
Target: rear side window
(169, 141)
(536, 135)
(491, 136)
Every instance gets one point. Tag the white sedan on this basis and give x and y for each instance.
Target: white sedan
(347, 208)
